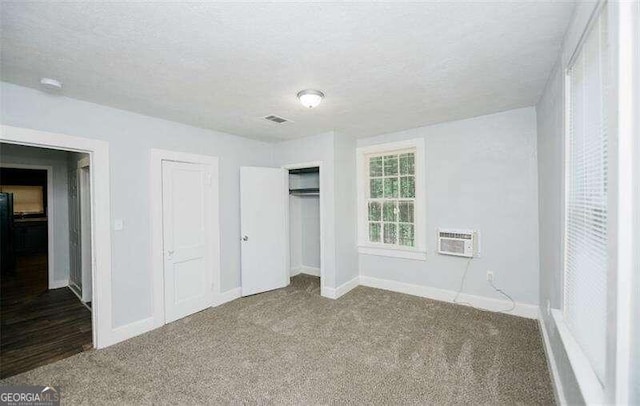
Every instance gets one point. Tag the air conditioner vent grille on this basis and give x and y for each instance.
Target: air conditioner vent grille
(461, 243)
(276, 119)
(450, 245)
(456, 235)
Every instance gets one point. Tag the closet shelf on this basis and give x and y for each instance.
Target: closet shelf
(301, 171)
(305, 191)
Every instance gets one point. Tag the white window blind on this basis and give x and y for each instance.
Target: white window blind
(586, 171)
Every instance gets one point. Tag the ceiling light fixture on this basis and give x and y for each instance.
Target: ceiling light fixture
(50, 85)
(310, 98)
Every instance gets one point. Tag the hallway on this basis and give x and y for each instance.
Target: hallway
(38, 326)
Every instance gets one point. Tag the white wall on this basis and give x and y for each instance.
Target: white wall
(295, 235)
(17, 154)
(130, 138)
(310, 223)
(480, 174)
(345, 208)
(304, 224)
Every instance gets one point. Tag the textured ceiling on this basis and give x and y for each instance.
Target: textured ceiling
(224, 66)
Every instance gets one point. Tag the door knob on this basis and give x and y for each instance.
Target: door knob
(170, 253)
(245, 238)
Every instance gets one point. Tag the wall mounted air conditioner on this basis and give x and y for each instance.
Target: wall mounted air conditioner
(461, 243)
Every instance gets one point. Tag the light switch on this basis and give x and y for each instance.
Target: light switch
(118, 225)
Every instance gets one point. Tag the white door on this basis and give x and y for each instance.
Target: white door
(75, 260)
(84, 181)
(187, 214)
(263, 202)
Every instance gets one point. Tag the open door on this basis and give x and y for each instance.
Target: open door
(84, 192)
(263, 204)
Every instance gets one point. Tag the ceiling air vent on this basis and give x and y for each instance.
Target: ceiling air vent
(276, 119)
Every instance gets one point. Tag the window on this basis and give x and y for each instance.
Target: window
(586, 233)
(26, 199)
(390, 199)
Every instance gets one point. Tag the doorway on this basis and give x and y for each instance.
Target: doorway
(41, 319)
(101, 322)
(304, 227)
(26, 229)
(281, 227)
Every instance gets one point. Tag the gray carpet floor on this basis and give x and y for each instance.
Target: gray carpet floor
(291, 346)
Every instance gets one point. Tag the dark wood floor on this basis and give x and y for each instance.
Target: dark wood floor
(38, 326)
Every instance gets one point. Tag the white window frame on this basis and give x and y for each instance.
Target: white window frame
(615, 388)
(418, 252)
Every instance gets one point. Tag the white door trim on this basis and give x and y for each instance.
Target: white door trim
(53, 284)
(323, 259)
(103, 332)
(83, 163)
(155, 211)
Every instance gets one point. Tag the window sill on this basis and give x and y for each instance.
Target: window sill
(590, 386)
(393, 252)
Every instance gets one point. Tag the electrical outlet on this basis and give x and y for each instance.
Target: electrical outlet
(548, 307)
(490, 276)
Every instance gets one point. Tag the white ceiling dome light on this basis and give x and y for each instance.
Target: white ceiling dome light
(310, 98)
(51, 85)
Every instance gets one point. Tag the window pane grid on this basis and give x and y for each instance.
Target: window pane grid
(391, 199)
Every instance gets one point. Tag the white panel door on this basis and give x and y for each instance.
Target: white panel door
(263, 202)
(187, 238)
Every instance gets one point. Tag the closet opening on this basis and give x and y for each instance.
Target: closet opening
(305, 227)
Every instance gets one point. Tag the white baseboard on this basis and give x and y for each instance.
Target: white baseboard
(76, 290)
(329, 293)
(62, 283)
(136, 328)
(131, 330)
(332, 293)
(307, 270)
(484, 303)
(310, 270)
(558, 391)
(227, 296)
(347, 286)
